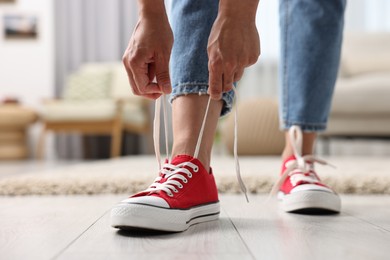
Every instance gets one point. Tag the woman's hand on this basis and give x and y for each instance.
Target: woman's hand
(146, 59)
(233, 45)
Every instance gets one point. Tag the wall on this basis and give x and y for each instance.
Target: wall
(368, 15)
(27, 66)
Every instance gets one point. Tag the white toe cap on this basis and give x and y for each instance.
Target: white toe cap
(148, 200)
(311, 187)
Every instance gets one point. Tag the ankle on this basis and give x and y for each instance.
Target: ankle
(287, 153)
(188, 148)
(205, 160)
(308, 143)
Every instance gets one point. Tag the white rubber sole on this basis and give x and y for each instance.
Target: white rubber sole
(131, 215)
(306, 200)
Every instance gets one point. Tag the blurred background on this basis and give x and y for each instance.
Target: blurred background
(64, 93)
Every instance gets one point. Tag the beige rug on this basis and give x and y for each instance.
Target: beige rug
(130, 174)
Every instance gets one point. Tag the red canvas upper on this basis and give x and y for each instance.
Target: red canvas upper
(200, 189)
(287, 186)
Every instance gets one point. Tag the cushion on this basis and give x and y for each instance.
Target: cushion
(134, 114)
(358, 126)
(88, 110)
(88, 85)
(97, 67)
(120, 87)
(365, 52)
(366, 94)
(119, 84)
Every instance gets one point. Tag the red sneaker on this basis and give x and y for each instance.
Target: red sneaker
(299, 188)
(302, 190)
(184, 194)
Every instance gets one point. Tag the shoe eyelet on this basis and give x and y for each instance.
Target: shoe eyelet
(170, 194)
(190, 175)
(180, 186)
(175, 190)
(196, 169)
(185, 180)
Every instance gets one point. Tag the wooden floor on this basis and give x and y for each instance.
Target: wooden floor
(77, 227)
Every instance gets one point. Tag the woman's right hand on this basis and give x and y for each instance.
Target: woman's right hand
(146, 58)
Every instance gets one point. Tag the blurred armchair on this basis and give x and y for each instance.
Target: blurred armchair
(97, 100)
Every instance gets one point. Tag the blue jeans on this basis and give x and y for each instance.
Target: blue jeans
(311, 35)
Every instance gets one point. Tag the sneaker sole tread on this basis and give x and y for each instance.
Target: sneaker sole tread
(140, 216)
(310, 201)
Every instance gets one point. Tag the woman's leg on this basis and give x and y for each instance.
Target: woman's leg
(185, 192)
(191, 23)
(311, 35)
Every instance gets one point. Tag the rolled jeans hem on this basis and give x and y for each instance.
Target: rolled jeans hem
(306, 127)
(201, 89)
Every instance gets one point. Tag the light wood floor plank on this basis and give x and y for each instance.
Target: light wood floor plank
(67, 226)
(40, 227)
(376, 209)
(212, 240)
(272, 234)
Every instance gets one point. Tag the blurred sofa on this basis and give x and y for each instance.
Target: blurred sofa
(97, 99)
(361, 102)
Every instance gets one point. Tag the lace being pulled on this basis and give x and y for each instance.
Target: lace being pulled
(171, 171)
(301, 169)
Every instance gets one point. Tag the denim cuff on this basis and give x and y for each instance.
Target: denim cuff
(306, 127)
(201, 89)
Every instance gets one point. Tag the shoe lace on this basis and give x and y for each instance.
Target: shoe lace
(167, 186)
(172, 174)
(300, 169)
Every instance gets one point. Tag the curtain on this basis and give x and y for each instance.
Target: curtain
(88, 31)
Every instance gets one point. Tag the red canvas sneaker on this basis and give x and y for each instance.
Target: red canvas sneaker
(184, 194)
(302, 190)
(299, 188)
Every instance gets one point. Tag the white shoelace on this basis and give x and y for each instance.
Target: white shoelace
(171, 172)
(302, 164)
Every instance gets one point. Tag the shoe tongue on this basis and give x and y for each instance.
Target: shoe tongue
(181, 158)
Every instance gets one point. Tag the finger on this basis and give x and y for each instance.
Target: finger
(226, 86)
(139, 65)
(152, 71)
(132, 83)
(150, 88)
(135, 89)
(130, 76)
(238, 75)
(215, 79)
(228, 76)
(162, 74)
(152, 96)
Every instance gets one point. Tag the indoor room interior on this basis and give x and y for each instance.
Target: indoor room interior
(75, 140)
